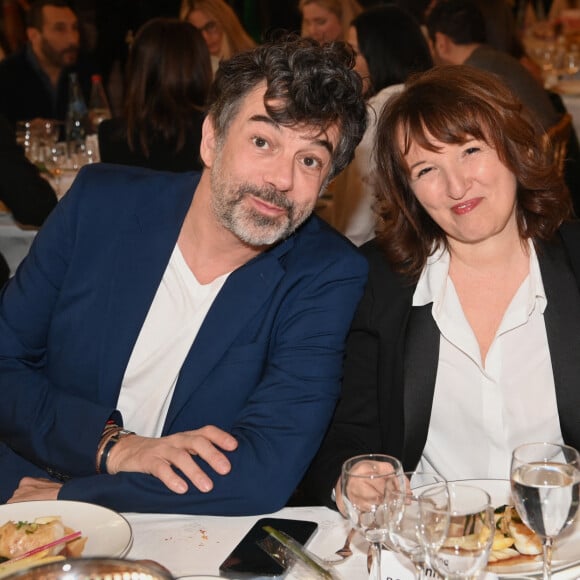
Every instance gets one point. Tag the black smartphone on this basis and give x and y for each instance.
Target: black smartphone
(248, 560)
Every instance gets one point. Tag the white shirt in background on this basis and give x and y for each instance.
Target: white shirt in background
(482, 412)
(172, 323)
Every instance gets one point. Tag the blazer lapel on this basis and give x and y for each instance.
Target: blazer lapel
(137, 266)
(420, 370)
(562, 318)
(246, 291)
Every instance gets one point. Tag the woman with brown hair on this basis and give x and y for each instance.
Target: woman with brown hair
(466, 341)
(167, 83)
(220, 27)
(327, 20)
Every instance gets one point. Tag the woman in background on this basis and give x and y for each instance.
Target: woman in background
(389, 47)
(327, 20)
(167, 82)
(220, 27)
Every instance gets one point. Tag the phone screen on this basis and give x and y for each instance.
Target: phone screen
(249, 560)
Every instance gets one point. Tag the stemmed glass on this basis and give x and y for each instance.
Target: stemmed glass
(544, 479)
(458, 539)
(55, 160)
(363, 485)
(404, 523)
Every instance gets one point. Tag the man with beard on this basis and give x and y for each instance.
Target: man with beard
(35, 80)
(174, 342)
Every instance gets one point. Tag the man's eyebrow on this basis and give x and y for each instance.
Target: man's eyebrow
(269, 121)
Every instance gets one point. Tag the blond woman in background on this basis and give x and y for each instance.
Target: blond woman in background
(220, 27)
(327, 20)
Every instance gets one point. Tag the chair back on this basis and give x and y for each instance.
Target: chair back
(556, 140)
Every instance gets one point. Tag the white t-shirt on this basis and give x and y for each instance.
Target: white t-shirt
(481, 413)
(172, 323)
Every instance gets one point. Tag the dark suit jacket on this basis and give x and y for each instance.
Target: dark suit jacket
(114, 148)
(25, 94)
(265, 365)
(392, 357)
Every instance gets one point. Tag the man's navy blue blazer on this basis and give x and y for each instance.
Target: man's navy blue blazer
(266, 364)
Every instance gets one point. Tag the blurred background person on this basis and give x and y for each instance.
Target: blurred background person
(168, 79)
(116, 23)
(389, 46)
(220, 27)
(501, 33)
(457, 33)
(35, 80)
(327, 20)
(23, 191)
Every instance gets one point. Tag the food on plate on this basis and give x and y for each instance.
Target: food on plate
(513, 542)
(17, 539)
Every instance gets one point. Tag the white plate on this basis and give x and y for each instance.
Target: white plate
(108, 533)
(567, 545)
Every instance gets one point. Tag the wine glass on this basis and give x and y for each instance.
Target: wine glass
(544, 479)
(458, 538)
(363, 484)
(403, 513)
(55, 161)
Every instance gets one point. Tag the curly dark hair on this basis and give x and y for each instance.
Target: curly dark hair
(307, 83)
(452, 104)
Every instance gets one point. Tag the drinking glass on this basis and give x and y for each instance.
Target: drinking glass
(55, 161)
(544, 479)
(403, 513)
(458, 539)
(363, 485)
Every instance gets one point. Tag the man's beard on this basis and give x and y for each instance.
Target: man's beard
(249, 225)
(59, 58)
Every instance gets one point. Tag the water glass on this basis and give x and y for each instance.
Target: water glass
(458, 539)
(404, 522)
(545, 478)
(363, 485)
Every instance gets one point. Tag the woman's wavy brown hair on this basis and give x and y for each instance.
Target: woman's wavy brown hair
(452, 104)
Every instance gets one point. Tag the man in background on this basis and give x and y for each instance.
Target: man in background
(35, 80)
(457, 34)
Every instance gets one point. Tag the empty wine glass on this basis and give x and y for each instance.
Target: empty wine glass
(544, 479)
(363, 484)
(458, 539)
(55, 161)
(403, 513)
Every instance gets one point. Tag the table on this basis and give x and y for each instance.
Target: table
(15, 240)
(189, 545)
(572, 103)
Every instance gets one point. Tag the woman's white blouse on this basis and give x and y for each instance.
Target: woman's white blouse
(482, 411)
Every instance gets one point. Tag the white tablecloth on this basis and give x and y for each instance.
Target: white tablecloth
(197, 545)
(189, 545)
(14, 241)
(572, 103)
